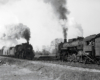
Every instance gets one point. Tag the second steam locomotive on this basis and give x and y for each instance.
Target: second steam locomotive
(80, 49)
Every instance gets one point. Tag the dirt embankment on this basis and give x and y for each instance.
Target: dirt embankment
(53, 71)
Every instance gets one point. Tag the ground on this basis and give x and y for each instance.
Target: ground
(13, 72)
(17, 69)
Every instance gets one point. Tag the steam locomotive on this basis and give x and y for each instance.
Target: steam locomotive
(86, 50)
(24, 51)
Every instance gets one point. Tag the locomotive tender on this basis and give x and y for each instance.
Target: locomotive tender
(80, 49)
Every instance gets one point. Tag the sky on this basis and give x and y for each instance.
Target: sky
(83, 20)
(87, 13)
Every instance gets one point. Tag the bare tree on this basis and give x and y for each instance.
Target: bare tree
(46, 50)
(55, 44)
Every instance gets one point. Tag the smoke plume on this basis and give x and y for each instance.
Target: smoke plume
(16, 31)
(41, 16)
(61, 10)
(59, 7)
(26, 34)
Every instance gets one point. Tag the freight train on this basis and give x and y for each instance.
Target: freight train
(86, 50)
(24, 51)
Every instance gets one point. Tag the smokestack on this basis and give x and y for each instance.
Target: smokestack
(65, 40)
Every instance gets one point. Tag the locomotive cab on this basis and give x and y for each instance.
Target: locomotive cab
(92, 48)
(89, 46)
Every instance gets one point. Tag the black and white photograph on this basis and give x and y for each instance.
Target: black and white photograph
(49, 39)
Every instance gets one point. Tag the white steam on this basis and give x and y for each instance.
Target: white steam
(74, 29)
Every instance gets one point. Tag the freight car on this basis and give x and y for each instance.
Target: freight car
(80, 49)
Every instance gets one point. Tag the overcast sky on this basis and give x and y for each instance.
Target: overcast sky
(43, 22)
(87, 13)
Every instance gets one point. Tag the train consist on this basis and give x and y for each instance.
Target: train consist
(80, 49)
(24, 51)
(86, 50)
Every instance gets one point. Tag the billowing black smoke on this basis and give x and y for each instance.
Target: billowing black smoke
(26, 34)
(60, 9)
